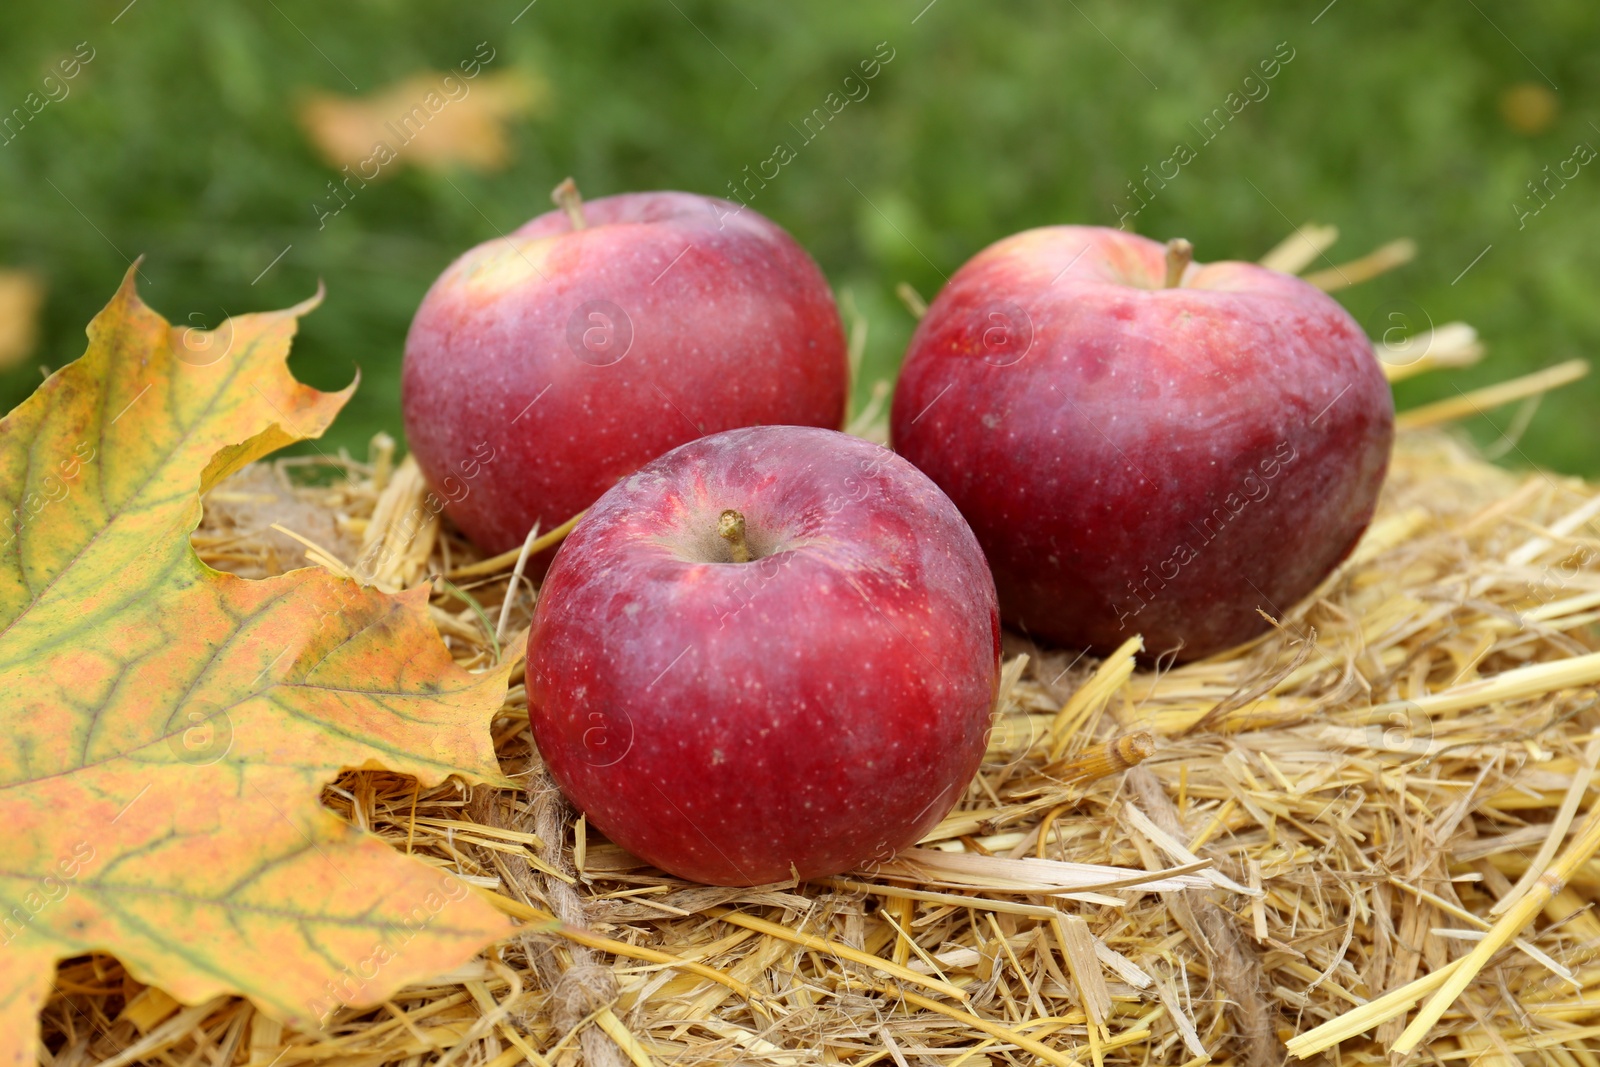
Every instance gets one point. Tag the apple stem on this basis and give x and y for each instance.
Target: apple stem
(1180, 254)
(567, 198)
(730, 527)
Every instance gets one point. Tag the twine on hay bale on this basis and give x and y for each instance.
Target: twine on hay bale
(1374, 825)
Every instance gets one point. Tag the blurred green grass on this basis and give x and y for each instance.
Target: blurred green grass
(178, 141)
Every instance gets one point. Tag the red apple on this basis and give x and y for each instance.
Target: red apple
(543, 366)
(1144, 445)
(772, 651)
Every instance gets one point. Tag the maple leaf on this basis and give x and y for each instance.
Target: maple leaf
(166, 729)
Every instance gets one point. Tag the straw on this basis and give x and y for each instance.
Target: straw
(1381, 839)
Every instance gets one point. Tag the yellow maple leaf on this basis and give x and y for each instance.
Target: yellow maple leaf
(166, 729)
(428, 120)
(21, 298)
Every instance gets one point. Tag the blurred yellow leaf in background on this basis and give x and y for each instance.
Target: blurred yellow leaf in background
(429, 120)
(1529, 108)
(21, 298)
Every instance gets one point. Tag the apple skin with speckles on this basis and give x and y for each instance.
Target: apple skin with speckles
(812, 710)
(543, 366)
(1138, 459)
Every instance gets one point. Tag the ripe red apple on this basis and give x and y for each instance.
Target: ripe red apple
(543, 366)
(771, 651)
(1144, 445)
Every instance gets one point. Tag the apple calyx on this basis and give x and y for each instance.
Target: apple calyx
(1180, 253)
(730, 527)
(567, 198)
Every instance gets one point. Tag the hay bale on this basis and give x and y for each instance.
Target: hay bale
(1389, 794)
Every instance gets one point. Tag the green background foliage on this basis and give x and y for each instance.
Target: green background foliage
(179, 142)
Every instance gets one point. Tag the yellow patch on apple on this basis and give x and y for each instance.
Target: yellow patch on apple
(500, 266)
